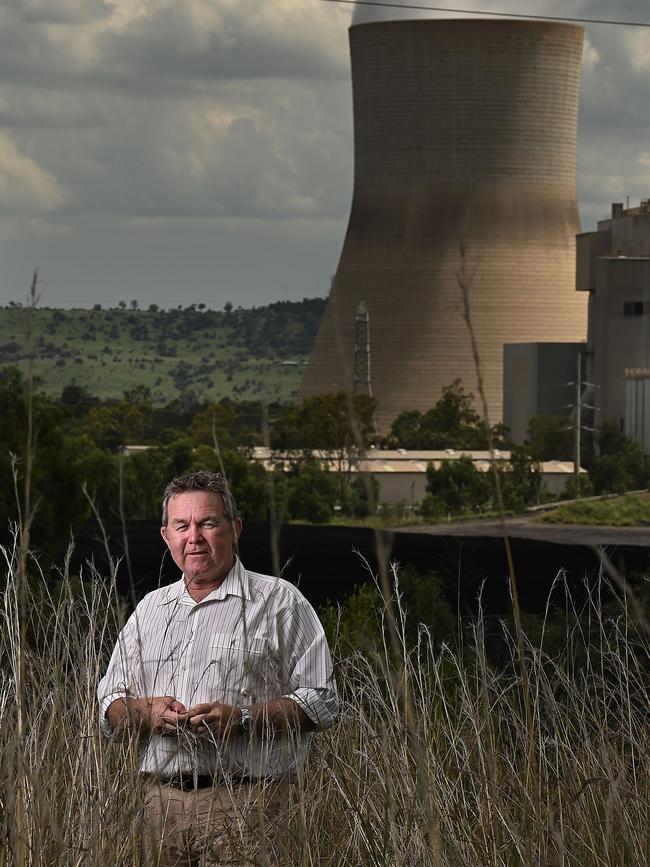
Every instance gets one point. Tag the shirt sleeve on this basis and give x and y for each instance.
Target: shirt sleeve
(308, 665)
(115, 682)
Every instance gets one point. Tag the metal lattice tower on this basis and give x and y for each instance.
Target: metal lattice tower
(362, 384)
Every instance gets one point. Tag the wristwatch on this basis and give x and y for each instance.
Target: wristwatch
(247, 722)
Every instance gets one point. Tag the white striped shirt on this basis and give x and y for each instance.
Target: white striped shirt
(253, 639)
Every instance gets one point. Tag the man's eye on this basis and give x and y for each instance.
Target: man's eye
(208, 525)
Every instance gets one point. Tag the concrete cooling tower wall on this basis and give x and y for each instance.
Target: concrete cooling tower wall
(465, 153)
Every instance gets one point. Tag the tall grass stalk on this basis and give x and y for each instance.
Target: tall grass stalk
(464, 283)
(400, 680)
(26, 510)
(360, 802)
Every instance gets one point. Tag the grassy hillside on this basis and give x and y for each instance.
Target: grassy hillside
(243, 354)
(628, 510)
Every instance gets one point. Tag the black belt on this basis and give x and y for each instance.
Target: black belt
(190, 782)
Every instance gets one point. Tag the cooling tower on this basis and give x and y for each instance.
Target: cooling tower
(465, 153)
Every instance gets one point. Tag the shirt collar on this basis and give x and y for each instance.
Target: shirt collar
(235, 583)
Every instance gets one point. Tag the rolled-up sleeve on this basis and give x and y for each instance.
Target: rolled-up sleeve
(308, 675)
(114, 684)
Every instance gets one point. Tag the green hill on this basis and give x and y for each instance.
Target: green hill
(257, 353)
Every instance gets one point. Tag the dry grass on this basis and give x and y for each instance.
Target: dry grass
(453, 785)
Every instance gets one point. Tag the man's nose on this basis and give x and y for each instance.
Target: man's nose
(194, 534)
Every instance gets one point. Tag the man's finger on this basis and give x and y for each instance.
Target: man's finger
(171, 718)
(206, 707)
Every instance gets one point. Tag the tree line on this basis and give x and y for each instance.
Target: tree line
(79, 440)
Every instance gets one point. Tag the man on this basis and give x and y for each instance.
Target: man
(223, 675)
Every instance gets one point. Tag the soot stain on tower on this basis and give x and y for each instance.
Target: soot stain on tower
(465, 162)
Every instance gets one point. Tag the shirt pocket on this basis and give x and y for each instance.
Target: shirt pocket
(236, 666)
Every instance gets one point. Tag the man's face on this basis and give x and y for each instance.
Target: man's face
(200, 538)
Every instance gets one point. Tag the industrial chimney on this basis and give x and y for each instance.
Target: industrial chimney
(465, 157)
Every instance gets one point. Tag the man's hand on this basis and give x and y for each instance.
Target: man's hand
(214, 719)
(161, 714)
(281, 715)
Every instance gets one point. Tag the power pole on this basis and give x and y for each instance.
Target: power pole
(578, 426)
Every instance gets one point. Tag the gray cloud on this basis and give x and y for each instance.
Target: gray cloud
(224, 156)
(224, 41)
(58, 11)
(152, 143)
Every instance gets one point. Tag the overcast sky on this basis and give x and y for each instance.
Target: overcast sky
(173, 151)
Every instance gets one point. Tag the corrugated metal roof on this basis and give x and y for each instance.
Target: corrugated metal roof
(380, 462)
(262, 452)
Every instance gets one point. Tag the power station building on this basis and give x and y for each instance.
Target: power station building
(464, 207)
(539, 379)
(613, 267)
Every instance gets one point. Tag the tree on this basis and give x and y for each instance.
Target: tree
(179, 456)
(582, 487)
(215, 423)
(360, 499)
(312, 492)
(452, 423)
(457, 486)
(406, 430)
(77, 398)
(143, 478)
(62, 462)
(359, 623)
(626, 469)
(621, 464)
(336, 422)
(551, 437)
(139, 395)
(114, 425)
(250, 483)
(521, 480)
(610, 439)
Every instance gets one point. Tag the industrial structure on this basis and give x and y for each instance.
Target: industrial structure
(464, 207)
(401, 474)
(636, 424)
(613, 266)
(540, 379)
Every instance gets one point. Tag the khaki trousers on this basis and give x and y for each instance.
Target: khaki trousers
(224, 825)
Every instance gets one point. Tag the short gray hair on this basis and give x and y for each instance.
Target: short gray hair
(203, 480)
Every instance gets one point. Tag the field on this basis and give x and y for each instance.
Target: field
(241, 354)
(440, 757)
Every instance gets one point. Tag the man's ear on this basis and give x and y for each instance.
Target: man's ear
(163, 533)
(236, 528)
